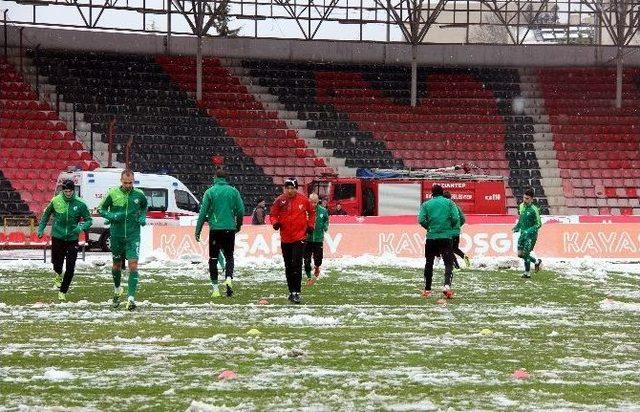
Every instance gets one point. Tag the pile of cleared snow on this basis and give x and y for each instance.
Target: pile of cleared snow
(204, 407)
(57, 375)
(194, 266)
(614, 305)
(417, 406)
(272, 352)
(538, 311)
(138, 339)
(20, 265)
(304, 320)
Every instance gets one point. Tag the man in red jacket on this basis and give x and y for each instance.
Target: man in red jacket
(292, 214)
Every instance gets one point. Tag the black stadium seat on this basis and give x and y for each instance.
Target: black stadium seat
(171, 134)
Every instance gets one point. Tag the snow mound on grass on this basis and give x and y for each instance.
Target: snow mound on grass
(304, 320)
(57, 375)
(205, 407)
(614, 305)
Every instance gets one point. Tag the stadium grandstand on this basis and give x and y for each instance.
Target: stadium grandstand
(406, 85)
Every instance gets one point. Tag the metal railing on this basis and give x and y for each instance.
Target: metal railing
(354, 20)
(19, 224)
(19, 221)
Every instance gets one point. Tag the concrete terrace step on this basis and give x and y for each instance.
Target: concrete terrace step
(271, 102)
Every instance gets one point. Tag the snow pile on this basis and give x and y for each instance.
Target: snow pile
(614, 305)
(138, 339)
(424, 405)
(57, 375)
(304, 320)
(194, 266)
(538, 311)
(204, 407)
(272, 352)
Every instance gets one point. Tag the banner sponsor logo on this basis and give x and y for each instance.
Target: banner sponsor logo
(561, 240)
(600, 243)
(451, 185)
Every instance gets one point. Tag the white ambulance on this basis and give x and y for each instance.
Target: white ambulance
(169, 199)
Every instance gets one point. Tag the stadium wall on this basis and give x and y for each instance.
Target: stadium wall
(615, 237)
(323, 51)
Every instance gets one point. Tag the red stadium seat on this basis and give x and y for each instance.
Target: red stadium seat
(16, 238)
(33, 240)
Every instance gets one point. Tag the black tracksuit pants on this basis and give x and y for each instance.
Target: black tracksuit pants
(292, 254)
(224, 240)
(61, 250)
(456, 251)
(312, 249)
(433, 248)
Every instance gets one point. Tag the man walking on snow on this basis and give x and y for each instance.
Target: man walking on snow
(315, 240)
(126, 210)
(70, 218)
(438, 216)
(293, 215)
(223, 208)
(455, 237)
(528, 225)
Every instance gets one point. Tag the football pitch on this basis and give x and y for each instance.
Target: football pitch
(363, 339)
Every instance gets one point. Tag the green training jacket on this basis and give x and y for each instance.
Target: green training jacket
(221, 206)
(529, 219)
(455, 231)
(67, 214)
(125, 211)
(439, 216)
(322, 225)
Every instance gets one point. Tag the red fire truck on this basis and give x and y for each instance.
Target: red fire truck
(378, 192)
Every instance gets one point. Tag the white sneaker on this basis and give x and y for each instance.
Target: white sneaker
(216, 291)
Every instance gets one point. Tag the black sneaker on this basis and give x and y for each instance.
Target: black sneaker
(116, 301)
(537, 265)
(228, 283)
(290, 298)
(526, 275)
(131, 305)
(296, 298)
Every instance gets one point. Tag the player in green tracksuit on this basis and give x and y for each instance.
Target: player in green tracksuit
(438, 216)
(313, 245)
(126, 210)
(455, 237)
(70, 218)
(528, 225)
(222, 207)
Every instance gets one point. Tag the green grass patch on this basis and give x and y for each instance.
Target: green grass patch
(363, 338)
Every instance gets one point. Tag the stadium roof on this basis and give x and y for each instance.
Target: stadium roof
(411, 21)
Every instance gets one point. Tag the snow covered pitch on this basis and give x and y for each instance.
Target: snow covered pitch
(363, 339)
